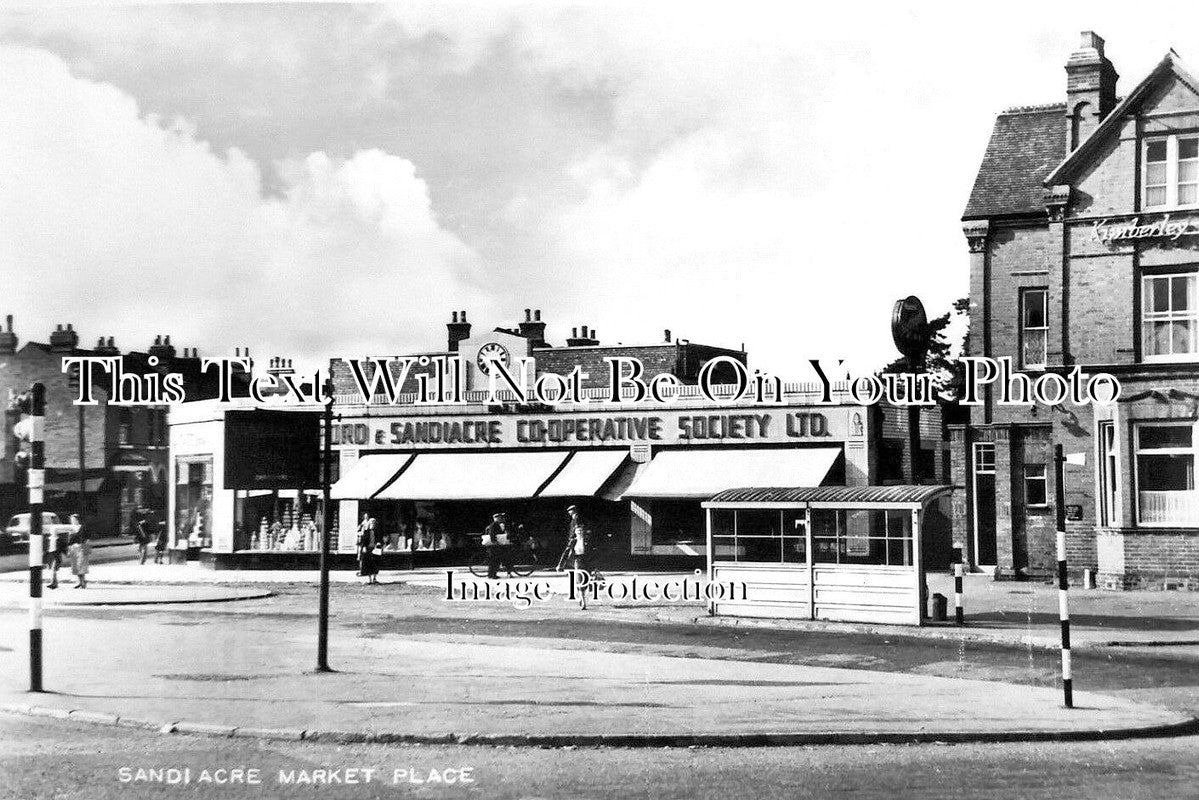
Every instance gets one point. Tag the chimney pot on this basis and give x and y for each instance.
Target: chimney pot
(58, 328)
(167, 339)
(100, 342)
(528, 315)
(8, 321)
(574, 333)
(454, 317)
(110, 342)
(536, 315)
(667, 332)
(70, 326)
(462, 316)
(158, 339)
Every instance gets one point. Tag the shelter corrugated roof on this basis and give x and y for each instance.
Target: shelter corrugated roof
(1026, 144)
(833, 494)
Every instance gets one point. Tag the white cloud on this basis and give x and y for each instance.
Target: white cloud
(128, 226)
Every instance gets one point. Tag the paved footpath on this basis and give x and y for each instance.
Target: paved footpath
(253, 676)
(1003, 612)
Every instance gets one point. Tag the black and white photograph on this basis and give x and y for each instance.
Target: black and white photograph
(599, 399)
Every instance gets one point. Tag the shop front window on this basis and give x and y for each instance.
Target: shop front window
(1165, 474)
(1169, 317)
(677, 522)
(193, 502)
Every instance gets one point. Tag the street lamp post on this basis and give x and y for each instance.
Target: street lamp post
(322, 636)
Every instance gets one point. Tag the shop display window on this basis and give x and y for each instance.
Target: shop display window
(678, 522)
(193, 502)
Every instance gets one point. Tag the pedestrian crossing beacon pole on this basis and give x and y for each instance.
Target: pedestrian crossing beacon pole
(958, 612)
(36, 483)
(1063, 601)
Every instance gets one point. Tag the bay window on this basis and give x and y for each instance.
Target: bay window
(1169, 317)
(1165, 474)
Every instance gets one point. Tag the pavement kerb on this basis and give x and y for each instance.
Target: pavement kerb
(1046, 641)
(1186, 727)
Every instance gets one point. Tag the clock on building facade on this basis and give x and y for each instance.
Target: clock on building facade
(492, 352)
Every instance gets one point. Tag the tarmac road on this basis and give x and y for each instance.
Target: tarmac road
(51, 758)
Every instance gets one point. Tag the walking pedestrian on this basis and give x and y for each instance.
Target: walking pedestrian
(577, 534)
(79, 548)
(160, 544)
(141, 537)
(56, 553)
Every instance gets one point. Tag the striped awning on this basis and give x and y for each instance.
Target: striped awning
(882, 496)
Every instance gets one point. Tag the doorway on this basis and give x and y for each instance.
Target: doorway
(985, 551)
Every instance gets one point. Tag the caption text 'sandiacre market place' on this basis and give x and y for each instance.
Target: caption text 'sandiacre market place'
(1082, 231)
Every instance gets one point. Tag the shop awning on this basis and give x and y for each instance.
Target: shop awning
(585, 473)
(368, 475)
(703, 473)
(895, 496)
(474, 476)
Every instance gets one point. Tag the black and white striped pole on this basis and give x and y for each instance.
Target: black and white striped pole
(36, 483)
(1063, 601)
(958, 612)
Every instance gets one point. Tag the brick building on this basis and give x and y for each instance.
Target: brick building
(1083, 233)
(124, 448)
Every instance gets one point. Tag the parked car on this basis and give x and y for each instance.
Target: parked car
(17, 530)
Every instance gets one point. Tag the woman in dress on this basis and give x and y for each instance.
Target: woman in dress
(369, 547)
(79, 549)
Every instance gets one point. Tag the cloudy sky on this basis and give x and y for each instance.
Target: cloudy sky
(315, 180)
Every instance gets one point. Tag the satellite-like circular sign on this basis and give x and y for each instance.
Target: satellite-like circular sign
(909, 328)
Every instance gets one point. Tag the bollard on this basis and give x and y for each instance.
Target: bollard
(939, 607)
(959, 613)
(1088, 579)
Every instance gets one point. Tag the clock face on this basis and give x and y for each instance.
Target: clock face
(491, 352)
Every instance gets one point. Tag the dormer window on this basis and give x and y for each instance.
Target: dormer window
(1172, 171)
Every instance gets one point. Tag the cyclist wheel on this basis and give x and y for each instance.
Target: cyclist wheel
(478, 563)
(524, 561)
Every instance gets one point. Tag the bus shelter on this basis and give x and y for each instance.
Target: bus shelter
(841, 553)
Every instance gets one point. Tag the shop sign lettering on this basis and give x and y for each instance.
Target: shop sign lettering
(1162, 228)
(535, 431)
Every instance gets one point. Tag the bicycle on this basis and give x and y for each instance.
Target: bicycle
(522, 559)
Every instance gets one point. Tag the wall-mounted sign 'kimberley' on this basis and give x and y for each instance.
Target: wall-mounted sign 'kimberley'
(1163, 227)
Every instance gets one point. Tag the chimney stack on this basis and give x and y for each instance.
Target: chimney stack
(1090, 88)
(533, 328)
(8, 339)
(107, 348)
(587, 339)
(457, 329)
(64, 341)
(163, 349)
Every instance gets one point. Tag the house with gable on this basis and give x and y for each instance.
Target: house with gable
(1083, 234)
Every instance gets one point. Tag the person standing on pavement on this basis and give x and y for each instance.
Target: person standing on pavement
(141, 537)
(160, 544)
(370, 549)
(497, 538)
(79, 549)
